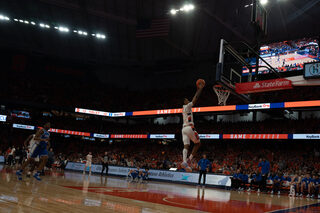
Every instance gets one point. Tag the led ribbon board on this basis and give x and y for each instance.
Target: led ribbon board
(309, 136)
(259, 106)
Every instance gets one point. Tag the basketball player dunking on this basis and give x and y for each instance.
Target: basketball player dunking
(188, 130)
(42, 139)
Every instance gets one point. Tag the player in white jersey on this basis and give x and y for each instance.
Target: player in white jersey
(31, 144)
(188, 130)
(88, 163)
(42, 141)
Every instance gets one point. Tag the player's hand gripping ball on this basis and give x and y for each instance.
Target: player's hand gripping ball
(200, 83)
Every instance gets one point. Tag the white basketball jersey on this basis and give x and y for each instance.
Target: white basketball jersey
(32, 142)
(89, 158)
(187, 115)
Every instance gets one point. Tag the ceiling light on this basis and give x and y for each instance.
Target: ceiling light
(5, 18)
(263, 2)
(63, 29)
(101, 36)
(173, 12)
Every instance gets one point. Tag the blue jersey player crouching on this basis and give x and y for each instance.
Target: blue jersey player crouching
(42, 139)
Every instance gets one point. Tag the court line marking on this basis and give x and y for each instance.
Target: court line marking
(294, 208)
(180, 204)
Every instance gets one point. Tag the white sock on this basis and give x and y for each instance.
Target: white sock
(184, 154)
(190, 157)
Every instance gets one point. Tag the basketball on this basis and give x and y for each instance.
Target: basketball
(199, 82)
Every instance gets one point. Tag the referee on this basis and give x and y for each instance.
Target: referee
(105, 161)
(203, 165)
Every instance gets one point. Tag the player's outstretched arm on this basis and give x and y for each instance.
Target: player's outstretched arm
(197, 95)
(25, 143)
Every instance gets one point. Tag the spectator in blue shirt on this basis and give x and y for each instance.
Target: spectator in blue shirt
(255, 180)
(203, 165)
(317, 186)
(277, 183)
(244, 180)
(305, 182)
(265, 169)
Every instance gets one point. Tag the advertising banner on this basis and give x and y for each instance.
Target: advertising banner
(130, 136)
(259, 106)
(209, 136)
(162, 136)
(3, 118)
(182, 177)
(307, 136)
(22, 126)
(255, 136)
(101, 113)
(263, 86)
(69, 132)
(96, 135)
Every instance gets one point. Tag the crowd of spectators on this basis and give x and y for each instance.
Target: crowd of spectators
(240, 159)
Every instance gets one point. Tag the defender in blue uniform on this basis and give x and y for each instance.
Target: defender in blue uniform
(144, 175)
(42, 139)
(134, 174)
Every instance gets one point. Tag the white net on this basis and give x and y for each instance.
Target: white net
(222, 93)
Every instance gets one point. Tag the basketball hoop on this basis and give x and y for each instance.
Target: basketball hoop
(222, 93)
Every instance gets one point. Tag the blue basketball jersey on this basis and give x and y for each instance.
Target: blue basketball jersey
(45, 134)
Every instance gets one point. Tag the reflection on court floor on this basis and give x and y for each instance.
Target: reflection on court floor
(73, 192)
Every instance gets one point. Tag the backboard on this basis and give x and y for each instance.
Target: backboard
(229, 69)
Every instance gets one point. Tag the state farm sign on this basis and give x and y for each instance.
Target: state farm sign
(263, 86)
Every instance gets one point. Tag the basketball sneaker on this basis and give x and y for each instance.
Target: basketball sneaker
(19, 174)
(184, 165)
(37, 176)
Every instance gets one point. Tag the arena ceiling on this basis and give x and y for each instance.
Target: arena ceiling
(193, 36)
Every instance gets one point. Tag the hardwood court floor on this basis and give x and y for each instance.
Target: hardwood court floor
(73, 192)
